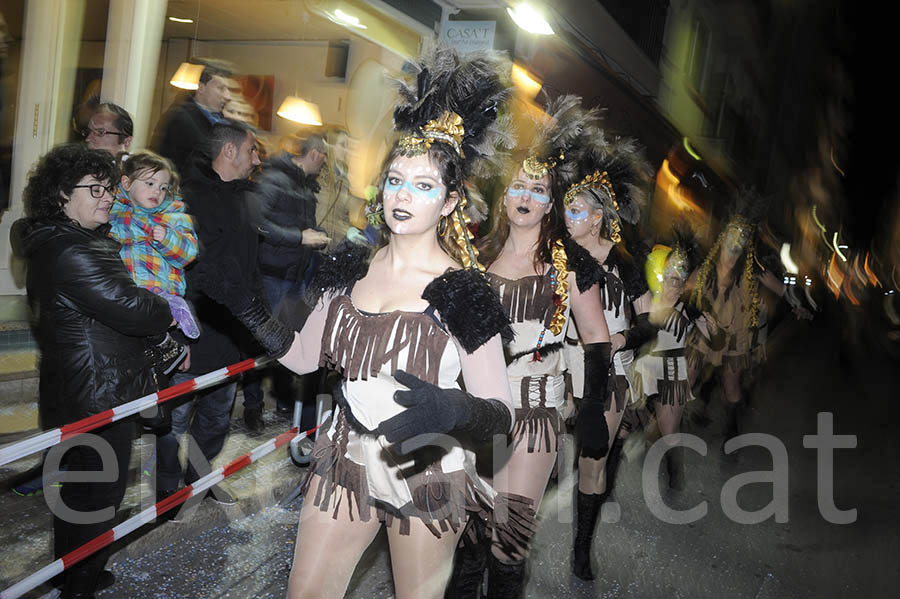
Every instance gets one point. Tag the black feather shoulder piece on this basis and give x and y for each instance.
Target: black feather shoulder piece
(631, 271)
(469, 307)
(343, 266)
(588, 272)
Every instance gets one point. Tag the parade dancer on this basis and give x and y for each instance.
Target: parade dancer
(727, 291)
(607, 188)
(663, 369)
(528, 268)
(401, 330)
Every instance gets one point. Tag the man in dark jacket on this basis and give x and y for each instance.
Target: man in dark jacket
(92, 329)
(284, 211)
(214, 192)
(186, 127)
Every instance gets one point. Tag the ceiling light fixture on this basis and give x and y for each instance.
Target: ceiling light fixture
(530, 19)
(187, 76)
(178, 20)
(300, 111)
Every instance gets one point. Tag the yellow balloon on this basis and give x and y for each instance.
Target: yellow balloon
(656, 266)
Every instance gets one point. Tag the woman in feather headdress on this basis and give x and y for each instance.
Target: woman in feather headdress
(727, 291)
(604, 187)
(663, 368)
(401, 329)
(527, 266)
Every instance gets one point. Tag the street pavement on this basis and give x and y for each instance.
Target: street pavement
(245, 551)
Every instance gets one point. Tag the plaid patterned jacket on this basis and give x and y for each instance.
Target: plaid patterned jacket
(154, 265)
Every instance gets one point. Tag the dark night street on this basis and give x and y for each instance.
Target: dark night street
(245, 551)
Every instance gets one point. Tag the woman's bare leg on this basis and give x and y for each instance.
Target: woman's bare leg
(421, 562)
(327, 549)
(591, 472)
(524, 474)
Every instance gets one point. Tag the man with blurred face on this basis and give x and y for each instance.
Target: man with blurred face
(185, 128)
(215, 193)
(110, 128)
(284, 209)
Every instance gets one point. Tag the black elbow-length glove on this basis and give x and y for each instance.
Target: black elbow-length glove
(591, 428)
(272, 334)
(432, 411)
(640, 332)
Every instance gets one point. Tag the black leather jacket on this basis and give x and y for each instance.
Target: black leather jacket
(283, 205)
(92, 320)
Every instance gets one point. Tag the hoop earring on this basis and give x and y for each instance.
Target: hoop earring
(442, 225)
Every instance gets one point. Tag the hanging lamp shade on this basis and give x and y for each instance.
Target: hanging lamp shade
(187, 76)
(300, 111)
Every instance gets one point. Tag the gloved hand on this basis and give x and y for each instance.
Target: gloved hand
(591, 428)
(432, 411)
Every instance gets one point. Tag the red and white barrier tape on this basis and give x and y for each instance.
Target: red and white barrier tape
(39, 442)
(199, 487)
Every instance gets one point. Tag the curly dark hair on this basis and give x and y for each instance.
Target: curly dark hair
(58, 172)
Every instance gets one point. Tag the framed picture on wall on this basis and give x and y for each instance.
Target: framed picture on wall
(253, 102)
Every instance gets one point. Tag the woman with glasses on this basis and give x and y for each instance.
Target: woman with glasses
(92, 330)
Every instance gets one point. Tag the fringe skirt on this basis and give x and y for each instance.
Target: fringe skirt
(443, 501)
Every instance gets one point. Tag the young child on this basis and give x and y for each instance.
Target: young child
(158, 238)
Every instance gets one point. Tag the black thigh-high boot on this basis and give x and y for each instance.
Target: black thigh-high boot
(588, 506)
(505, 581)
(470, 562)
(732, 413)
(675, 467)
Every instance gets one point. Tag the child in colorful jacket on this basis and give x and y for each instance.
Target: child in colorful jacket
(158, 238)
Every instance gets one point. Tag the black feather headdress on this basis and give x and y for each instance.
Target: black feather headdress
(456, 100)
(561, 138)
(616, 175)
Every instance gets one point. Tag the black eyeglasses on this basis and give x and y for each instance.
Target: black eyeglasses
(97, 190)
(99, 132)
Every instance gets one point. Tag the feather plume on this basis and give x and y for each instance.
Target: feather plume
(473, 87)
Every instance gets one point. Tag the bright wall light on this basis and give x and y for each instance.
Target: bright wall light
(525, 82)
(349, 20)
(300, 111)
(187, 76)
(178, 20)
(530, 19)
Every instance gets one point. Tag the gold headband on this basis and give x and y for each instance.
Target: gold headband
(537, 169)
(592, 181)
(448, 128)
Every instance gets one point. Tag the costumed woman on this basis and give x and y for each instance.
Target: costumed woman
(607, 189)
(663, 369)
(528, 268)
(401, 330)
(726, 290)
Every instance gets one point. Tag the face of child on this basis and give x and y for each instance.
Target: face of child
(527, 200)
(415, 196)
(148, 190)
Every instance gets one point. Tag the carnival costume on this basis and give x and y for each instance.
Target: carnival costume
(394, 361)
(663, 368)
(735, 308)
(538, 307)
(612, 174)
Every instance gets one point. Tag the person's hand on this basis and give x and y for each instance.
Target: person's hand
(617, 342)
(186, 363)
(315, 238)
(802, 313)
(159, 232)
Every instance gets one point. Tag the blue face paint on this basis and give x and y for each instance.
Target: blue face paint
(540, 198)
(431, 195)
(576, 215)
